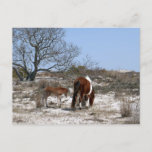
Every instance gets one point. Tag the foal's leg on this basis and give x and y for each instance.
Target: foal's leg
(59, 101)
(65, 95)
(42, 100)
(46, 101)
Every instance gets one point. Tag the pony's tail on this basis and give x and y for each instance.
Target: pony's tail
(76, 89)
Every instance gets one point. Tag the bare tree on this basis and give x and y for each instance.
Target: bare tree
(82, 68)
(41, 49)
(89, 63)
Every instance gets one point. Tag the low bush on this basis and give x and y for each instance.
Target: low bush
(125, 108)
(42, 84)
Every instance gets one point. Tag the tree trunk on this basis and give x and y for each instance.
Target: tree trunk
(31, 76)
(18, 74)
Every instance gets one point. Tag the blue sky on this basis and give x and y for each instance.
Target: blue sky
(111, 48)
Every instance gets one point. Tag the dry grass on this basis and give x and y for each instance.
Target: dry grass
(42, 84)
(98, 88)
(17, 88)
(26, 95)
(16, 82)
(37, 97)
(55, 84)
(135, 119)
(125, 108)
(31, 84)
(119, 83)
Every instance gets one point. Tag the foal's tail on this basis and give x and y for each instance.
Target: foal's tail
(76, 89)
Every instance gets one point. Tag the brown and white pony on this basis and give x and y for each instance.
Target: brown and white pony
(55, 91)
(83, 86)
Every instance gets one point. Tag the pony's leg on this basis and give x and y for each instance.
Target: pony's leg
(80, 101)
(86, 100)
(87, 103)
(80, 105)
(76, 101)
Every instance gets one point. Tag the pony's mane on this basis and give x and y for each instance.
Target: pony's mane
(87, 77)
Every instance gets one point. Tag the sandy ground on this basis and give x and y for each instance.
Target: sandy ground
(106, 110)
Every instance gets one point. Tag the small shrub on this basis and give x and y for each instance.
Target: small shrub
(43, 84)
(37, 96)
(17, 88)
(38, 103)
(125, 108)
(32, 97)
(31, 84)
(25, 96)
(97, 88)
(119, 95)
(135, 119)
(16, 82)
(55, 84)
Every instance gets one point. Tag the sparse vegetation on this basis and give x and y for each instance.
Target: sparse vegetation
(119, 82)
(38, 99)
(42, 57)
(125, 108)
(43, 84)
(111, 87)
